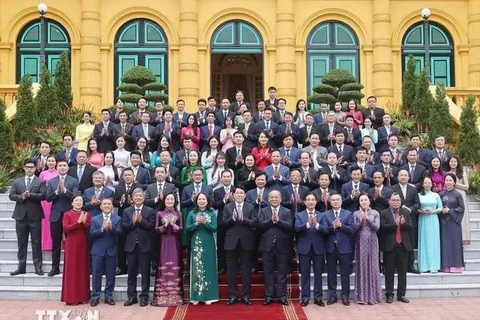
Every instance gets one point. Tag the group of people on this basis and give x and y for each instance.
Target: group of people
(227, 181)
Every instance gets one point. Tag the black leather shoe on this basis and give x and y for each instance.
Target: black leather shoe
(389, 299)
(332, 301)
(413, 270)
(120, 271)
(17, 272)
(54, 272)
(153, 273)
(346, 301)
(403, 299)
(143, 303)
(319, 302)
(247, 301)
(304, 303)
(110, 302)
(94, 303)
(130, 302)
(283, 302)
(39, 272)
(231, 301)
(267, 301)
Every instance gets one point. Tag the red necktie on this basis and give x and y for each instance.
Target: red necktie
(398, 234)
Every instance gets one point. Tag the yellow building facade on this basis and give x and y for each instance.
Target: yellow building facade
(291, 44)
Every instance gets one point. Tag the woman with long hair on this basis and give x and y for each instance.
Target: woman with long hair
(191, 130)
(368, 130)
(455, 167)
(357, 114)
(110, 170)
(429, 228)
(193, 161)
(46, 175)
(201, 224)
(435, 173)
(451, 227)
(262, 152)
(84, 131)
(168, 284)
(339, 114)
(239, 117)
(246, 175)
(142, 147)
(121, 156)
(226, 134)
(164, 144)
(300, 113)
(214, 174)
(209, 155)
(368, 288)
(95, 158)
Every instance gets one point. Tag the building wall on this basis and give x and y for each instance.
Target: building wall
(283, 24)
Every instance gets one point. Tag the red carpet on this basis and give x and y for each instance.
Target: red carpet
(221, 311)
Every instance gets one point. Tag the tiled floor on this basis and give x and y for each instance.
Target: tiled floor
(418, 309)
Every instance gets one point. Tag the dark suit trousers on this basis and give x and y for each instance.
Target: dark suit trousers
(121, 258)
(246, 268)
(344, 261)
(275, 260)
(101, 265)
(56, 231)
(24, 228)
(136, 260)
(306, 261)
(397, 258)
(155, 250)
(221, 254)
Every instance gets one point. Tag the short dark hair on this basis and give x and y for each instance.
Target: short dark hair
(272, 88)
(180, 100)
(372, 97)
(28, 161)
(212, 97)
(135, 152)
(201, 100)
(259, 174)
(282, 99)
(105, 110)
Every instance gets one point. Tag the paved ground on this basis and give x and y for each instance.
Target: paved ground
(418, 309)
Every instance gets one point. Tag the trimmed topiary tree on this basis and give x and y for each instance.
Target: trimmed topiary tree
(409, 85)
(468, 146)
(62, 84)
(440, 122)
(25, 120)
(140, 82)
(337, 84)
(6, 136)
(47, 103)
(423, 102)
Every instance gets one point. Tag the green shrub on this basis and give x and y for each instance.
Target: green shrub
(25, 120)
(468, 145)
(5, 178)
(6, 136)
(63, 79)
(21, 152)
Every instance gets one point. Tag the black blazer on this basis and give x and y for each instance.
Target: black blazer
(251, 140)
(303, 135)
(239, 231)
(412, 201)
(127, 134)
(30, 207)
(232, 157)
(151, 194)
(86, 181)
(311, 182)
(283, 230)
(121, 190)
(418, 175)
(378, 112)
(268, 103)
(356, 136)
(220, 117)
(320, 204)
(234, 106)
(348, 153)
(140, 232)
(105, 142)
(380, 203)
(388, 230)
(336, 182)
(173, 134)
(325, 132)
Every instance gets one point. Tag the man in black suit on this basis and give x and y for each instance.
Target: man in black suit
(136, 116)
(201, 114)
(105, 133)
(373, 112)
(156, 192)
(411, 202)
(293, 194)
(138, 221)
(124, 129)
(379, 193)
(423, 154)
(441, 152)
(170, 129)
(156, 117)
(345, 153)
(390, 172)
(305, 132)
(212, 104)
(239, 221)
(145, 130)
(41, 159)
(181, 155)
(338, 175)
(353, 135)
(276, 222)
(236, 154)
(82, 171)
(173, 174)
(248, 130)
(328, 130)
(323, 192)
(268, 125)
(123, 200)
(309, 174)
(416, 170)
(141, 174)
(397, 155)
(272, 100)
(258, 116)
(69, 152)
(224, 113)
(239, 100)
(27, 192)
(395, 226)
(279, 114)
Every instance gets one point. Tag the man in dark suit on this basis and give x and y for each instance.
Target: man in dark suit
(192, 190)
(379, 193)
(293, 194)
(276, 223)
(321, 117)
(411, 202)
(239, 221)
(221, 197)
(173, 174)
(248, 130)
(27, 192)
(353, 136)
(82, 172)
(239, 100)
(180, 117)
(182, 154)
(41, 159)
(69, 153)
(423, 154)
(338, 248)
(156, 117)
(311, 228)
(328, 130)
(136, 116)
(338, 175)
(104, 230)
(119, 108)
(138, 222)
(145, 130)
(345, 153)
(367, 169)
(122, 200)
(288, 127)
(277, 173)
(373, 112)
(60, 192)
(323, 192)
(416, 170)
(93, 196)
(124, 129)
(201, 114)
(351, 190)
(268, 125)
(289, 154)
(170, 129)
(224, 113)
(105, 133)
(258, 116)
(272, 98)
(384, 132)
(156, 192)
(236, 154)
(395, 226)
(309, 174)
(208, 130)
(142, 175)
(397, 155)
(279, 114)
(441, 152)
(390, 172)
(305, 132)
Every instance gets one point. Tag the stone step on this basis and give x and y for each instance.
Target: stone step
(11, 254)
(33, 280)
(7, 266)
(7, 223)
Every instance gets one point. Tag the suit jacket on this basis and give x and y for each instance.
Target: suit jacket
(418, 174)
(155, 118)
(388, 230)
(180, 155)
(86, 181)
(104, 243)
(325, 132)
(38, 164)
(234, 106)
(239, 231)
(382, 143)
(187, 193)
(348, 153)
(136, 117)
(231, 154)
(319, 118)
(356, 136)
(412, 200)
(184, 118)
(105, 142)
(268, 103)
(308, 238)
(336, 182)
(393, 174)
(397, 158)
(382, 202)
(127, 134)
(30, 207)
(260, 127)
(424, 157)
(114, 116)
(287, 198)
(201, 118)
(294, 131)
(121, 190)
(220, 117)
(350, 203)
(252, 196)
(137, 132)
(151, 194)
(303, 134)
(250, 141)
(445, 159)
(73, 156)
(294, 157)
(142, 178)
(309, 180)
(378, 120)
(205, 134)
(282, 230)
(94, 209)
(323, 205)
(341, 236)
(139, 233)
(174, 177)
(277, 184)
(368, 169)
(61, 202)
(173, 134)
(218, 203)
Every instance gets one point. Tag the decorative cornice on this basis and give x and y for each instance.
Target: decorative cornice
(382, 67)
(91, 66)
(188, 67)
(382, 17)
(6, 46)
(285, 67)
(188, 16)
(90, 15)
(90, 91)
(382, 42)
(383, 92)
(285, 17)
(473, 18)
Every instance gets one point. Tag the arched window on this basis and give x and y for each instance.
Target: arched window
(440, 49)
(237, 37)
(141, 42)
(28, 48)
(331, 45)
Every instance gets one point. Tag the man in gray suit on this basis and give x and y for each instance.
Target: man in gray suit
(28, 192)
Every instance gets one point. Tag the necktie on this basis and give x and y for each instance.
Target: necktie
(197, 189)
(268, 125)
(106, 217)
(282, 114)
(261, 115)
(62, 178)
(325, 198)
(355, 186)
(309, 130)
(160, 188)
(67, 155)
(412, 170)
(349, 132)
(276, 171)
(288, 152)
(80, 173)
(440, 154)
(211, 130)
(123, 129)
(145, 130)
(225, 114)
(29, 181)
(97, 192)
(239, 209)
(274, 241)
(398, 234)
(128, 189)
(239, 151)
(336, 214)
(340, 149)
(137, 211)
